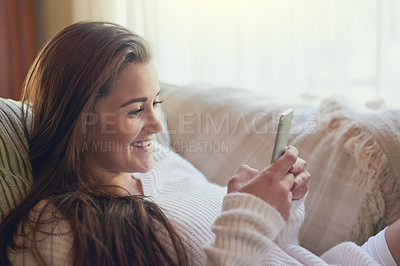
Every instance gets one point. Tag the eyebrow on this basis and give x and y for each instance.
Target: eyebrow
(136, 100)
(144, 99)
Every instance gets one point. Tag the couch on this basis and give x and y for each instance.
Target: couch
(352, 153)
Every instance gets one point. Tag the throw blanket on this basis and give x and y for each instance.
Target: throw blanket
(373, 139)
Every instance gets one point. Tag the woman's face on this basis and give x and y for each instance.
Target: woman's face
(127, 120)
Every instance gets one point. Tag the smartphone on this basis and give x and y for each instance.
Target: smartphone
(282, 134)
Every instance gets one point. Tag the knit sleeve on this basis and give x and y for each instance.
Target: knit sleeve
(244, 232)
(348, 253)
(290, 233)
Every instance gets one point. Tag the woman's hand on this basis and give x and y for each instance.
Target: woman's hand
(302, 177)
(273, 184)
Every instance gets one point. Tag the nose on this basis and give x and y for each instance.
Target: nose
(153, 123)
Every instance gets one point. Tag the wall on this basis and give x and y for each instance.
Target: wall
(17, 45)
(51, 16)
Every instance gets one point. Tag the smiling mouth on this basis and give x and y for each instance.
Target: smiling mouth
(142, 145)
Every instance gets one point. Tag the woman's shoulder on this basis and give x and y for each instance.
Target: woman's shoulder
(45, 231)
(44, 218)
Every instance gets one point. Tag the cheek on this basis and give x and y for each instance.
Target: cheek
(118, 127)
(129, 126)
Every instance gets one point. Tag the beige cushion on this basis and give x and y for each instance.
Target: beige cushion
(15, 169)
(354, 182)
(163, 136)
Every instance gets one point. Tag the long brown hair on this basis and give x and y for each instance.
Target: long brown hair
(71, 72)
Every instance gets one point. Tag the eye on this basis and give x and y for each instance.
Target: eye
(136, 112)
(157, 103)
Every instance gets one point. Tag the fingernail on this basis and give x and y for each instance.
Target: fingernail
(287, 147)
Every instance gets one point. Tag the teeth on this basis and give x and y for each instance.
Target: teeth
(141, 144)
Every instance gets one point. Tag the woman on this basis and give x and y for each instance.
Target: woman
(105, 194)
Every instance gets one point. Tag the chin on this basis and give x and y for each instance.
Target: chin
(145, 167)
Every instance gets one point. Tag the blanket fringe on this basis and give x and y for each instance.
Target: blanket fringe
(372, 172)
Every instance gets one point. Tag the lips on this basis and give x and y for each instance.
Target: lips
(142, 144)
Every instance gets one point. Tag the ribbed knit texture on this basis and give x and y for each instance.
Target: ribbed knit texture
(15, 169)
(244, 231)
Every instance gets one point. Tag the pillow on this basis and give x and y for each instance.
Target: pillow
(163, 136)
(352, 155)
(15, 169)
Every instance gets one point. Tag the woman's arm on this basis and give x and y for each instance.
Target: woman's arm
(392, 236)
(244, 232)
(253, 212)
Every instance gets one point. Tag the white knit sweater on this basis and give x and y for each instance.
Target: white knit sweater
(217, 229)
(233, 229)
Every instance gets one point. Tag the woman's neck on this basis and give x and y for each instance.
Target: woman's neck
(120, 183)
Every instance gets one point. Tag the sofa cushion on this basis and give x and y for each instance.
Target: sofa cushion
(352, 155)
(163, 136)
(15, 170)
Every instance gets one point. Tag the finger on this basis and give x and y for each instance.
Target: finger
(299, 166)
(288, 181)
(290, 196)
(301, 179)
(283, 164)
(252, 171)
(242, 169)
(286, 213)
(245, 172)
(249, 171)
(298, 193)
